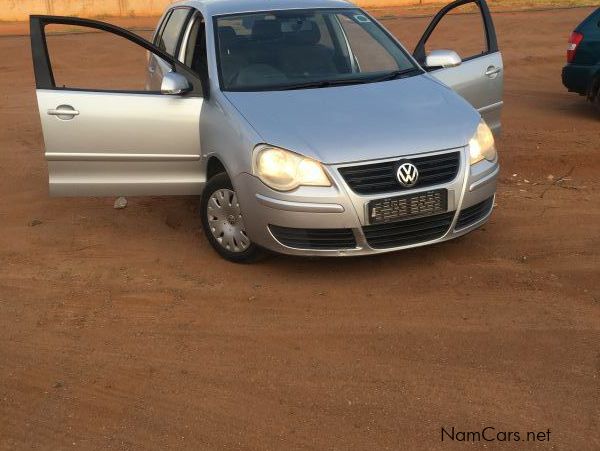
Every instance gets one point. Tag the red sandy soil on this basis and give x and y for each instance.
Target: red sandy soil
(122, 329)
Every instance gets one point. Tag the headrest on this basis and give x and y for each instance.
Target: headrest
(266, 30)
(227, 36)
(309, 34)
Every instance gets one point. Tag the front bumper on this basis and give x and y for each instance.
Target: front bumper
(338, 207)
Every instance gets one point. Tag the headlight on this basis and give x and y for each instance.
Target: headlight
(481, 145)
(284, 170)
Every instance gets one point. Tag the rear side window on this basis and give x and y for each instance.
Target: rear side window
(171, 31)
(195, 51)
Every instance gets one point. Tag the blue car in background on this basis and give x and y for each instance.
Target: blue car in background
(582, 72)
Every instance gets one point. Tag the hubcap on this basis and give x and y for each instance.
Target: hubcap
(225, 221)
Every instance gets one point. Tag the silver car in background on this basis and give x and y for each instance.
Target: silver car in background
(304, 125)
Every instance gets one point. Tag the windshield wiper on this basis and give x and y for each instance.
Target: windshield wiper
(353, 81)
(397, 74)
(324, 83)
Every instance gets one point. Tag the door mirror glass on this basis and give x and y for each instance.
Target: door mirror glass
(442, 58)
(174, 84)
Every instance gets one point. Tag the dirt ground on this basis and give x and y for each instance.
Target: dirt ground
(122, 329)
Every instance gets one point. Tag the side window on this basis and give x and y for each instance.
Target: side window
(171, 32)
(462, 30)
(87, 58)
(160, 29)
(195, 50)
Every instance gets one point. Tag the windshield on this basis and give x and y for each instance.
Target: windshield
(299, 49)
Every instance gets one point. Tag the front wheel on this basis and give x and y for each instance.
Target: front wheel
(223, 222)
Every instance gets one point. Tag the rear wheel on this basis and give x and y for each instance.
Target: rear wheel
(594, 94)
(223, 222)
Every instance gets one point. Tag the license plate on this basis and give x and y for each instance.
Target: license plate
(398, 208)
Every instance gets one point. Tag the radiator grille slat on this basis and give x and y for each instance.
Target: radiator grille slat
(475, 213)
(404, 233)
(324, 239)
(381, 177)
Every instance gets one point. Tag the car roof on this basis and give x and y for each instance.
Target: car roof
(210, 8)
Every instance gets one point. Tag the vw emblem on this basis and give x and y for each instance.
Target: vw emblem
(407, 174)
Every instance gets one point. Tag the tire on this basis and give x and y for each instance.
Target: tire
(594, 94)
(223, 223)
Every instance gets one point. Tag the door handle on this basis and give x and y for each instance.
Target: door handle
(64, 112)
(492, 71)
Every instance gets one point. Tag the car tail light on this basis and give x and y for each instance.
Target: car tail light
(574, 42)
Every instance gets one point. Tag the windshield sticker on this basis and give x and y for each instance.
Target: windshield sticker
(362, 18)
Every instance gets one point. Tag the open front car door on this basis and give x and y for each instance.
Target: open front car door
(477, 71)
(107, 133)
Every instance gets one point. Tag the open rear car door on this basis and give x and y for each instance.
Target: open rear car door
(478, 75)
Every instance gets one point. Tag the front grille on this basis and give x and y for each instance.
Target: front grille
(405, 233)
(473, 214)
(381, 177)
(314, 238)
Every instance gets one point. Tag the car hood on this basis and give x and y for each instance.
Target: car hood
(361, 122)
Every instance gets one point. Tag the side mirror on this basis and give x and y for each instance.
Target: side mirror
(174, 84)
(442, 58)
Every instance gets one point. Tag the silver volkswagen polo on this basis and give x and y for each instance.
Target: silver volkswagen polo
(304, 125)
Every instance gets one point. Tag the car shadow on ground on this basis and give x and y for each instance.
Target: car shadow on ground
(578, 107)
